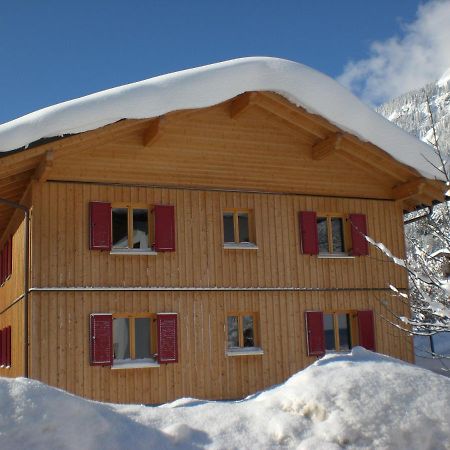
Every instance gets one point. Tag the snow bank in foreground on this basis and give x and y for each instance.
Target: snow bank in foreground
(213, 84)
(358, 400)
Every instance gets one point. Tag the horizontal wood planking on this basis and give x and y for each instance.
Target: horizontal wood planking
(60, 340)
(208, 148)
(61, 255)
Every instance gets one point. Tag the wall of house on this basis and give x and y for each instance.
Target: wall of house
(61, 256)
(11, 304)
(62, 259)
(61, 342)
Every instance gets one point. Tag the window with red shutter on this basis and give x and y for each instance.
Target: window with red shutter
(366, 329)
(308, 232)
(358, 226)
(315, 333)
(164, 216)
(100, 226)
(8, 347)
(4, 345)
(167, 338)
(101, 348)
(1, 348)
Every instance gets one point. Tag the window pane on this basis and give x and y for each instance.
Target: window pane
(248, 330)
(344, 332)
(244, 234)
(140, 228)
(233, 332)
(322, 234)
(142, 337)
(328, 326)
(120, 227)
(338, 235)
(121, 338)
(228, 227)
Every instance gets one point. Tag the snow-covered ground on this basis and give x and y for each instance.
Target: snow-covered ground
(357, 400)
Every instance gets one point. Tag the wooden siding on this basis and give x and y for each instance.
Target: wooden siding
(206, 147)
(61, 255)
(60, 339)
(12, 316)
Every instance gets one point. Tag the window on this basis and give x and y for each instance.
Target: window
(135, 229)
(339, 331)
(130, 228)
(339, 335)
(238, 228)
(134, 338)
(331, 234)
(242, 334)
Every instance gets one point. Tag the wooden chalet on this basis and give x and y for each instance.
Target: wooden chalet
(208, 252)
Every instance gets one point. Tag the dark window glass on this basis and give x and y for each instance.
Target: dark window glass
(228, 227)
(140, 228)
(121, 338)
(142, 337)
(244, 234)
(338, 235)
(120, 227)
(344, 332)
(322, 232)
(328, 326)
(233, 332)
(248, 330)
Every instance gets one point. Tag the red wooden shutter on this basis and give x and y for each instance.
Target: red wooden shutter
(10, 255)
(359, 244)
(4, 342)
(315, 333)
(8, 347)
(308, 232)
(101, 341)
(366, 330)
(167, 338)
(164, 228)
(1, 348)
(100, 218)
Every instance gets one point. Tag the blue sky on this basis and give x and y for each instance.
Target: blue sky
(53, 51)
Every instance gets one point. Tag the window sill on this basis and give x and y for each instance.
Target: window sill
(240, 246)
(335, 256)
(134, 364)
(244, 351)
(130, 251)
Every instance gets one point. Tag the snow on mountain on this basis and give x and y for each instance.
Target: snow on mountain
(410, 111)
(209, 85)
(359, 400)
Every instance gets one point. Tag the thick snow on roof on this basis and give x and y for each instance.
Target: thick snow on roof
(358, 400)
(213, 84)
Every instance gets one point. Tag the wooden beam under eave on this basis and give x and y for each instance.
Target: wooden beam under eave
(327, 147)
(242, 103)
(43, 169)
(411, 188)
(153, 132)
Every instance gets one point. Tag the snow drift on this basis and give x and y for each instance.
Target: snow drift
(213, 84)
(357, 400)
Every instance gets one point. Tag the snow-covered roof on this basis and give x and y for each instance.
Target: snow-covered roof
(209, 85)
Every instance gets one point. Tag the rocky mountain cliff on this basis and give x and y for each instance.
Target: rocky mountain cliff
(410, 111)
